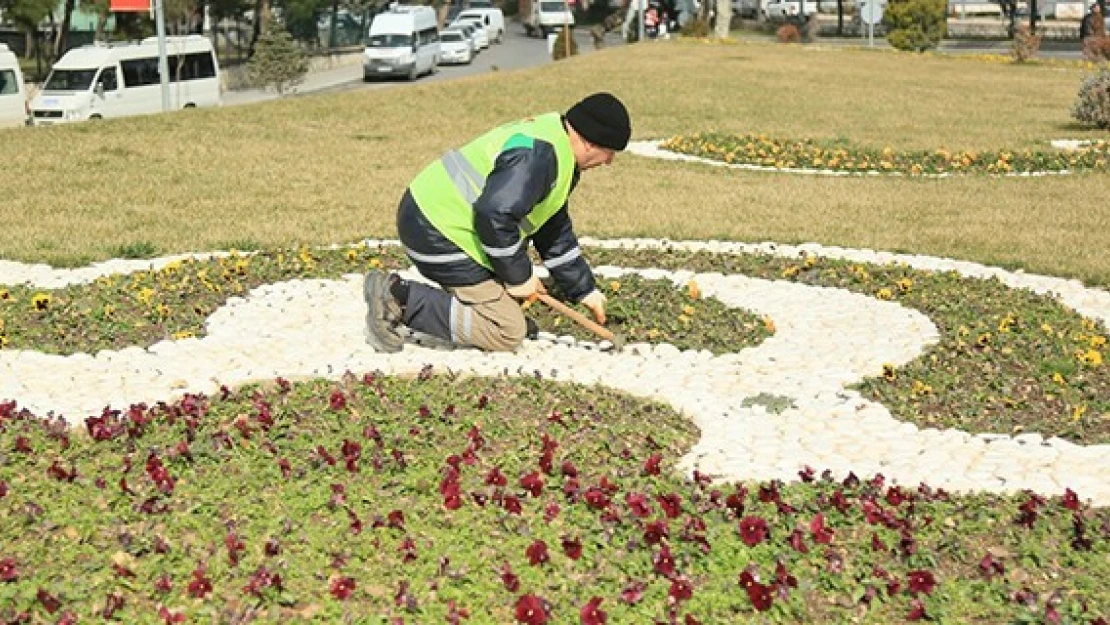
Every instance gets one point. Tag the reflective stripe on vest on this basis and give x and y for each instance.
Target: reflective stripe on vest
(446, 190)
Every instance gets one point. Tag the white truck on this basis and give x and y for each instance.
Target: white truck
(13, 93)
(541, 17)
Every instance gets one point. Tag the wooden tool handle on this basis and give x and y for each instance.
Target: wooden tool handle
(578, 317)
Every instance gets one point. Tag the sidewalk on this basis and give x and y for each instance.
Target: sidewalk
(313, 81)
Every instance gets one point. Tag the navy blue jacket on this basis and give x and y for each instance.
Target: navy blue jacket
(520, 179)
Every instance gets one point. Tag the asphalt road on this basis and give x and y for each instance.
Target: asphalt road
(515, 52)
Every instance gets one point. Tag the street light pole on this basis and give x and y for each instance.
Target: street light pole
(163, 63)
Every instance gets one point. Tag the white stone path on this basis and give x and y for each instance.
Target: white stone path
(825, 340)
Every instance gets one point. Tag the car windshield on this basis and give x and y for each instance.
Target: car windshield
(481, 4)
(451, 36)
(470, 16)
(69, 80)
(390, 41)
(552, 7)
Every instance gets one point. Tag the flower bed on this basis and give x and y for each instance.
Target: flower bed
(144, 307)
(842, 156)
(428, 501)
(1008, 360)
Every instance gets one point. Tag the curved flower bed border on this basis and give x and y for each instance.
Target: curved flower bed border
(975, 379)
(764, 153)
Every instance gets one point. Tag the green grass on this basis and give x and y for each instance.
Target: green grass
(331, 168)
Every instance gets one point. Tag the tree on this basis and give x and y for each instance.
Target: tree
(916, 25)
(724, 19)
(27, 15)
(278, 61)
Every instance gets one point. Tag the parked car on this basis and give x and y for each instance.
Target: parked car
(782, 10)
(480, 37)
(749, 9)
(491, 18)
(455, 47)
(481, 40)
(471, 32)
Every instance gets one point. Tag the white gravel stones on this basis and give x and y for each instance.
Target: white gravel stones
(764, 412)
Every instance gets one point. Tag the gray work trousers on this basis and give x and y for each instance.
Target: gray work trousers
(482, 315)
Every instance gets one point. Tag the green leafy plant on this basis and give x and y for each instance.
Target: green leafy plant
(372, 499)
(695, 27)
(1025, 45)
(915, 25)
(1092, 105)
(278, 62)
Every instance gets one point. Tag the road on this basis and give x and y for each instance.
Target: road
(515, 52)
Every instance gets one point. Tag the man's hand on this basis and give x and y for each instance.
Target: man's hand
(595, 301)
(526, 290)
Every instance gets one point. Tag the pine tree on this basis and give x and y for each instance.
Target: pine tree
(278, 61)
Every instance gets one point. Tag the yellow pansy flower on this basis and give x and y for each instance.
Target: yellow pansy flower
(41, 301)
(693, 290)
(885, 294)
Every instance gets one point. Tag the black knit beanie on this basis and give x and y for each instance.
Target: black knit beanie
(602, 120)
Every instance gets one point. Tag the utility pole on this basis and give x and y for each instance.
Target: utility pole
(163, 63)
(640, 19)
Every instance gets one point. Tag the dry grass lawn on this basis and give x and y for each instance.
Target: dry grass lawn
(330, 168)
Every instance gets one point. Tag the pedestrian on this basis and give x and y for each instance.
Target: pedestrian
(466, 221)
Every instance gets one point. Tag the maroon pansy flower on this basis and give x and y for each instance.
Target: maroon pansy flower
(592, 614)
(537, 553)
(531, 610)
(342, 587)
(921, 582)
(753, 530)
(572, 547)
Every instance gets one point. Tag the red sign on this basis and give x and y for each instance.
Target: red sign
(129, 6)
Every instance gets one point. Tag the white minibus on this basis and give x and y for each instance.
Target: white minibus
(100, 81)
(404, 41)
(13, 93)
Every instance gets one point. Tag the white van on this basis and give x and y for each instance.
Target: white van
(404, 41)
(492, 19)
(117, 80)
(13, 93)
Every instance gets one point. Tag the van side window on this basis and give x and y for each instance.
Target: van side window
(8, 86)
(193, 66)
(108, 79)
(140, 72)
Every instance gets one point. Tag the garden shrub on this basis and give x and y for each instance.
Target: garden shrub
(915, 25)
(564, 46)
(696, 27)
(1025, 45)
(278, 61)
(788, 33)
(1093, 104)
(1096, 48)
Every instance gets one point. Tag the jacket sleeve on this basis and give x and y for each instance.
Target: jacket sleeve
(558, 247)
(521, 178)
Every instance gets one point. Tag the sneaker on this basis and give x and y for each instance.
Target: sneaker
(384, 314)
(532, 329)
